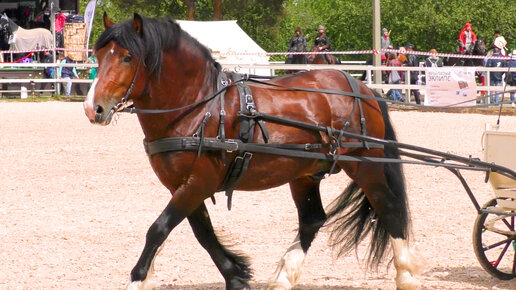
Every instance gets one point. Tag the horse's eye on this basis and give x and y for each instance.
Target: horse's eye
(128, 58)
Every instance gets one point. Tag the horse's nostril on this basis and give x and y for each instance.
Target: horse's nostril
(99, 109)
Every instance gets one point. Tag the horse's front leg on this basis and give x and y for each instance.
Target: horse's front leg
(184, 201)
(234, 267)
(305, 192)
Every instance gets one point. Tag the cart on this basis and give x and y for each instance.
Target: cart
(494, 234)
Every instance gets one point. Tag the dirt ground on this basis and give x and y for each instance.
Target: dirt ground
(76, 201)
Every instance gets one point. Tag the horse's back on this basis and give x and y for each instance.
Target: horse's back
(28, 39)
(321, 108)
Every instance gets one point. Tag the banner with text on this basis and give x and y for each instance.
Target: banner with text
(450, 86)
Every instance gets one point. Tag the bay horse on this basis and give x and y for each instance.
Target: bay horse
(157, 66)
(316, 58)
(478, 48)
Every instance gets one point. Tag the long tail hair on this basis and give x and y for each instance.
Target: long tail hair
(352, 217)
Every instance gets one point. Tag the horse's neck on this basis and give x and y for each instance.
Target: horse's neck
(184, 80)
(14, 26)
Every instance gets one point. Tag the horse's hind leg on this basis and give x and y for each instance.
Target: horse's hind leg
(383, 186)
(233, 267)
(305, 192)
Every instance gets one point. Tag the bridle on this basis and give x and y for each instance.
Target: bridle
(124, 101)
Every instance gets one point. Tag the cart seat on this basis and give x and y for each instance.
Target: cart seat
(498, 147)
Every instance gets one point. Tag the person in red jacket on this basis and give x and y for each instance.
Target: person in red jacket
(467, 38)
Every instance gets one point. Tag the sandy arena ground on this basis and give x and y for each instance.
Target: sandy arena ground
(77, 200)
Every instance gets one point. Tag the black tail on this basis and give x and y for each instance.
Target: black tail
(352, 217)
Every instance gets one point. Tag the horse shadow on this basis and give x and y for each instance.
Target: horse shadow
(218, 286)
(474, 275)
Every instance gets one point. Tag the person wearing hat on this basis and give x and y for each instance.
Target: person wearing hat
(386, 39)
(386, 44)
(500, 42)
(297, 44)
(321, 41)
(413, 60)
(466, 38)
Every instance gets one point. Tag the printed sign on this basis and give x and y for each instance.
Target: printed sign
(450, 86)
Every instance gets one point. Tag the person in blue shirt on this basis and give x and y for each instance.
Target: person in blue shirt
(495, 77)
(67, 73)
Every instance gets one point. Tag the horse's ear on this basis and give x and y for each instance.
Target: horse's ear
(107, 22)
(138, 23)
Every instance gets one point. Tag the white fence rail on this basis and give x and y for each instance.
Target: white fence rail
(357, 68)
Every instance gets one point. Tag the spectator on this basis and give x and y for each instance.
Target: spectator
(433, 60)
(48, 72)
(413, 61)
(394, 76)
(297, 44)
(500, 42)
(386, 44)
(511, 77)
(92, 71)
(321, 41)
(467, 38)
(402, 56)
(495, 77)
(67, 73)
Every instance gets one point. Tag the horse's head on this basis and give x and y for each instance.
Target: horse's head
(5, 30)
(121, 72)
(480, 47)
(316, 58)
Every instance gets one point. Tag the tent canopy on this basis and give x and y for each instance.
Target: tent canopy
(226, 37)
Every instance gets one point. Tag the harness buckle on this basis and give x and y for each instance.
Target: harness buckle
(233, 146)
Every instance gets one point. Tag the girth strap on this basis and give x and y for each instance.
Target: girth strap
(172, 144)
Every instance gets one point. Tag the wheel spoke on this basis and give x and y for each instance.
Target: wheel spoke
(514, 261)
(502, 253)
(509, 225)
(497, 244)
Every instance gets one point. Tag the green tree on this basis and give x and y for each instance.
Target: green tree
(425, 23)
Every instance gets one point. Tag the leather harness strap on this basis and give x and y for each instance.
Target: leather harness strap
(249, 117)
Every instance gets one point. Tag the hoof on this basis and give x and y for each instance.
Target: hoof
(141, 285)
(278, 286)
(407, 282)
(237, 284)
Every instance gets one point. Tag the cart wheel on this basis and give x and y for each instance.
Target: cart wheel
(494, 244)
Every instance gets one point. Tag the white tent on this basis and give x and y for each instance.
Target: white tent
(224, 38)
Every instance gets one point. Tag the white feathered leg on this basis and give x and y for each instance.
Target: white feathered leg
(289, 268)
(407, 264)
(146, 284)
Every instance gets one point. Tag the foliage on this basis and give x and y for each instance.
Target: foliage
(258, 18)
(271, 23)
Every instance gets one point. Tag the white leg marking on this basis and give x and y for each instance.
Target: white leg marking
(407, 264)
(289, 267)
(146, 284)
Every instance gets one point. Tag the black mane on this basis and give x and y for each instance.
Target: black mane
(157, 35)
